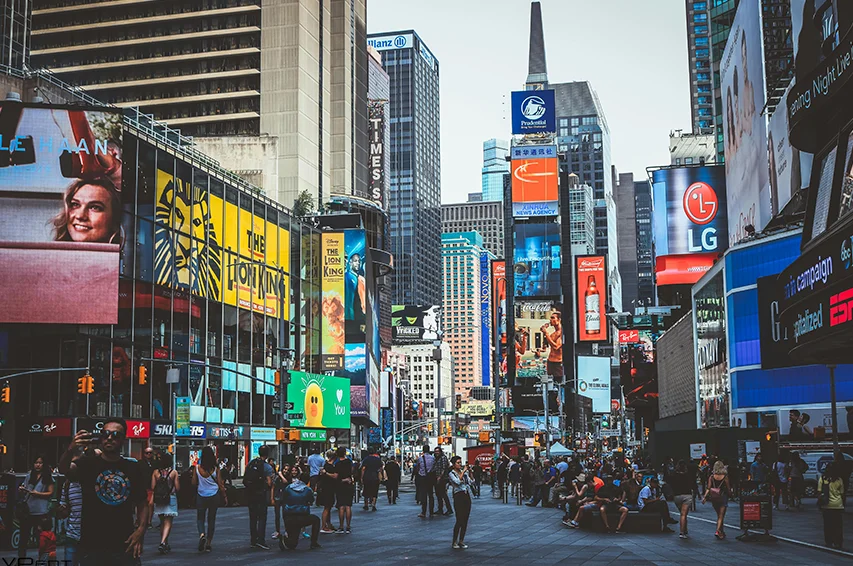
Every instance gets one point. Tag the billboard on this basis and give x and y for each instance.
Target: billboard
(218, 250)
(536, 260)
(533, 112)
(333, 333)
(638, 369)
(594, 381)
(499, 284)
(744, 125)
(376, 150)
(591, 278)
(538, 340)
(790, 168)
(322, 400)
(486, 318)
(773, 336)
(63, 220)
(414, 323)
(344, 304)
(386, 42)
(535, 189)
(527, 400)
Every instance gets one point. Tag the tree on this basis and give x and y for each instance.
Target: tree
(304, 204)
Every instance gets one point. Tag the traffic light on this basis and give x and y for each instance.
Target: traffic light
(2, 448)
(280, 434)
(429, 428)
(293, 434)
(539, 440)
(6, 394)
(277, 380)
(86, 384)
(143, 375)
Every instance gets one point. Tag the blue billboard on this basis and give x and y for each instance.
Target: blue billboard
(533, 112)
(536, 260)
(486, 316)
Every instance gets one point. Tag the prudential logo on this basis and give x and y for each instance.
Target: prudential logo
(533, 108)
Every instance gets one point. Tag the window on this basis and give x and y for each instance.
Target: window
(700, 6)
(700, 30)
(700, 17)
(688, 161)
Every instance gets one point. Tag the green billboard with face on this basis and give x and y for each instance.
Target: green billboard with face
(320, 401)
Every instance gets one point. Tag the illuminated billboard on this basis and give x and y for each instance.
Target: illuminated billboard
(414, 323)
(322, 401)
(499, 284)
(485, 318)
(536, 260)
(591, 278)
(63, 221)
(594, 381)
(535, 190)
(538, 340)
(533, 112)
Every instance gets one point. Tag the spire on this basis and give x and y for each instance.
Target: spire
(537, 73)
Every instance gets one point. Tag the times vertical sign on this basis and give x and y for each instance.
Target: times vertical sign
(376, 164)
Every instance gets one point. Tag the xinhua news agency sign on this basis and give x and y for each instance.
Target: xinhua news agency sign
(533, 112)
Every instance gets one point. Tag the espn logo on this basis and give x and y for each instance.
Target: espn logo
(841, 308)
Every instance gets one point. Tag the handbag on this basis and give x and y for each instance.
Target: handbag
(823, 498)
(63, 508)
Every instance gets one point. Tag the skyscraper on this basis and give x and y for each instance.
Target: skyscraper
(721, 15)
(699, 61)
(626, 215)
(645, 258)
(415, 166)
(486, 218)
(276, 90)
(495, 166)
(583, 133)
(15, 24)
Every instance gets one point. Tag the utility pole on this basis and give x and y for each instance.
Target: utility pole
(436, 356)
(545, 382)
(834, 407)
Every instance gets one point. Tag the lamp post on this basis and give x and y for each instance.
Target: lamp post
(497, 365)
(436, 356)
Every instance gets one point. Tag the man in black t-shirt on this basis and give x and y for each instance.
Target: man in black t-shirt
(345, 488)
(611, 498)
(148, 468)
(371, 467)
(113, 487)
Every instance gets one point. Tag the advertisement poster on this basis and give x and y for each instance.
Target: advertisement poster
(790, 168)
(744, 125)
(594, 381)
(377, 165)
(538, 340)
(486, 318)
(536, 260)
(322, 400)
(333, 334)
(709, 316)
(499, 285)
(638, 370)
(591, 278)
(182, 416)
(533, 112)
(355, 305)
(61, 204)
(414, 323)
(535, 187)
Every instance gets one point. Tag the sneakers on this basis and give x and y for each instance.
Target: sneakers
(574, 524)
(201, 543)
(421, 515)
(619, 532)
(463, 546)
(327, 531)
(275, 535)
(682, 535)
(455, 546)
(208, 547)
(349, 530)
(162, 548)
(262, 545)
(566, 522)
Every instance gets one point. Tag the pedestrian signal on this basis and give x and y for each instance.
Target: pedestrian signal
(6, 394)
(143, 375)
(86, 385)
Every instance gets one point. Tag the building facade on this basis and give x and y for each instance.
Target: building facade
(699, 61)
(485, 218)
(415, 156)
(626, 216)
(15, 24)
(581, 216)
(646, 295)
(274, 89)
(423, 374)
(461, 254)
(495, 166)
(721, 16)
(691, 149)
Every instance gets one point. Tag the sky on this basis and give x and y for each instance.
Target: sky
(633, 52)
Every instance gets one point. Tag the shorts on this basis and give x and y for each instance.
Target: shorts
(345, 494)
(589, 507)
(613, 507)
(720, 504)
(554, 369)
(680, 500)
(326, 498)
(371, 488)
(169, 509)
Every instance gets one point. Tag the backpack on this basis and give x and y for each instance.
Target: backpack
(162, 490)
(297, 502)
(254, 476)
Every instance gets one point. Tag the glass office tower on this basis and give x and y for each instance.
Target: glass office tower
(495, 166)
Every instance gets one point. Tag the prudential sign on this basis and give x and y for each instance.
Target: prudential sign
(533, 112)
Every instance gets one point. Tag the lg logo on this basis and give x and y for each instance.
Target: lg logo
(701, 205)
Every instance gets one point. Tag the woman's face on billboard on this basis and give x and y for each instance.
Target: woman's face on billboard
(90, 214)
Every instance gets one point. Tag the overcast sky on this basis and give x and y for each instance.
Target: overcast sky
(634, 52)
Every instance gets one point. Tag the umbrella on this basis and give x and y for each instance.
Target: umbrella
(558, 449)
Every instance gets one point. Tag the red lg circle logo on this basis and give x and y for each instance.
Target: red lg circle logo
(700, 203)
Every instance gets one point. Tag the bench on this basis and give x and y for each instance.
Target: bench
(636, 522)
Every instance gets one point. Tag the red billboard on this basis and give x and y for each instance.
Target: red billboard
(682, 269)
(629, 336)
(499, 301)
(591, 281)
(61, 201)
(534, 187)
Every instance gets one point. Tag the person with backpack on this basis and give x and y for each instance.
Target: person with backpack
(296, 510)
(258, 483)
(210, 484)
(165, 484)
(424, 470)
(718, 491)
(830, 489)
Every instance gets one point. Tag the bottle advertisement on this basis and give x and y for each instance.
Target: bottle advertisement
(591, 279)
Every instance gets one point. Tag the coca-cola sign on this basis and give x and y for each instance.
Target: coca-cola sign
(592, 300)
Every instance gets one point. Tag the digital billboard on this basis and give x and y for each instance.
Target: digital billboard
(638, 370)
(334, 332)
(790, 168)
(533, 112)
(344, 304)
(591, 278)
(322, 400)
(594, 381)
(744, 124)
(486, 318)
(538, 340)
(414, 323)
(536, 260)
(62, 209)
(499, 284)
(709, 317)
(218, 250)
(774, 338)
(535, 189)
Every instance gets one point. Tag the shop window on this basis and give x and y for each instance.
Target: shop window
(229, 332)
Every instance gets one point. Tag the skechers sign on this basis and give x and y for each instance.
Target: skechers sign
(387, 42)
(533, 112)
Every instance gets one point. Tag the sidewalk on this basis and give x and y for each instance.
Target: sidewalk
(805, 525)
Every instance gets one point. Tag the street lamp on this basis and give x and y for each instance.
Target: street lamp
(497, 364)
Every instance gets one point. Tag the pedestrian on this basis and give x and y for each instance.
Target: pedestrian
(758, 471)
(424, 470)
(37, 490)
(393, 473)
(552, 478)
(73, 503)
(683, 485)
(780, 485)
(208, 478)
(165, 484)
(830, 489)
(503, 473)
(371, 476)
(460, 479)
(515, 475)
(538, 475)
(477, 474)
(280, 479)
(113, 488)
(526, 477)
(651, 500)
(611, 498)
(296, 508)
(796, 482)
(442, 469)
(328, 487)
(586, 502)
(148, 469)
(718, 491)
(258, 482)
(47, 541)
(345, 489)
(316, 461)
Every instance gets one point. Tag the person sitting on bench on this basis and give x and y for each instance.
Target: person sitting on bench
(651, 501)
(611, 498)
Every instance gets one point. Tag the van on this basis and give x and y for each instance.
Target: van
(817, 462)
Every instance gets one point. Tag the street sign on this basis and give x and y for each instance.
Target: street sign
(295, 416)
(288, 405)
(507, 409)
(312, 434)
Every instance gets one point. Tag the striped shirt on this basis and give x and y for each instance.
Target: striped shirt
(75, 504)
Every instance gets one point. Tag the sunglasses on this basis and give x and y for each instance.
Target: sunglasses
(111, 434)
